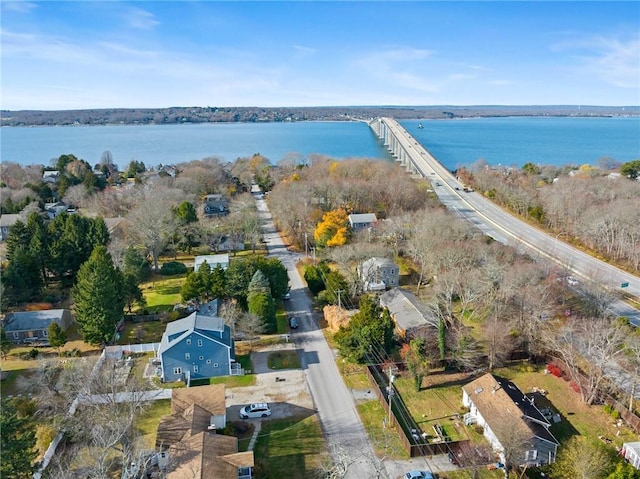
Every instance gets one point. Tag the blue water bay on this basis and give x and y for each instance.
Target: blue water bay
(507, 141)
(519, 140)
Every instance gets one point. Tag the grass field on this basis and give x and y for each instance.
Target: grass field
(162, 293)
(293, 448)
(147, 422)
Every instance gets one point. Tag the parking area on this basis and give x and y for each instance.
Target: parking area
(286, 391)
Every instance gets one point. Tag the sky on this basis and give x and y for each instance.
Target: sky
(58, 55)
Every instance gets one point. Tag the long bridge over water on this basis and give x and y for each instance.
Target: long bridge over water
(500, 225)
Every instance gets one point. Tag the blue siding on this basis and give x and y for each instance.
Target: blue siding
(211, 358)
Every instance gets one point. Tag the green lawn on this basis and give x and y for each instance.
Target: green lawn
(385, 440)
(147, 422)
(291, 448)
(147, 332)
(440, 403)
(162, 293)
(577, 417)
(283, 360)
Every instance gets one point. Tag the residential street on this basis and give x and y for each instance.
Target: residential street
(333, 401)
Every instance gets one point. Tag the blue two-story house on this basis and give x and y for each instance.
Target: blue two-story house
(197, 347)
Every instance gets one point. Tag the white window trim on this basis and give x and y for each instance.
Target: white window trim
(177, 370)
(199, 342)
(187, 356)
(195, 368)
(188, 341)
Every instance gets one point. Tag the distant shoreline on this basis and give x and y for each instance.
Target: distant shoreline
(197, 115)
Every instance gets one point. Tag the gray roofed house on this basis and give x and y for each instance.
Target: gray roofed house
(378, 274)
(6, 222)
(215, 205)
(361, 221)
(408, 312)
(507, 415)
(198, 346)
(33, 326)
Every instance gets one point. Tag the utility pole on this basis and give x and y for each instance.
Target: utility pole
(338, 293)
(391, 393)
(633, 390)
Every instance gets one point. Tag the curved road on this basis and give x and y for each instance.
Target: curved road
(507, 229)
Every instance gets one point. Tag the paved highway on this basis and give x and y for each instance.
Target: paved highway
(507, 229)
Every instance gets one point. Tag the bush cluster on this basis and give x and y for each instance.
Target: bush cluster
(172, 267)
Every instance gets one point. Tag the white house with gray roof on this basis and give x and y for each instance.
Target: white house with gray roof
(508, 416)
(213, 260)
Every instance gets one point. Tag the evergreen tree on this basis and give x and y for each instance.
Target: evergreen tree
(370, 327)
(5, 344)
(136, 265)
(260, 302)
(39, 243)
(314, 276)
(98, 297)
(186, 213)
(276, 273)
(73, 238)
(193, 287)
(21, 278)
(19, 235)
(218, 282)
(57, 337)
(259, 283)
(17, 443)
(132, 292)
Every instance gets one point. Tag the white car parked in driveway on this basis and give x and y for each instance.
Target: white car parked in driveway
(260, 409)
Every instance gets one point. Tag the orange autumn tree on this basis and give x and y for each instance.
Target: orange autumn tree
(333, 230)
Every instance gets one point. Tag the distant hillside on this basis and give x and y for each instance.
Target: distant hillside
(157, 116)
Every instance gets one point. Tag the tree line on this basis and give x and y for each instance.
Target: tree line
(584, 205)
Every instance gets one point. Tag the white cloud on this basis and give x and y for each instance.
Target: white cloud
(461, 76)
(500, 82)
(20, 6)
(615, 60)
(303, 52)
(141, 19)
(49, 48)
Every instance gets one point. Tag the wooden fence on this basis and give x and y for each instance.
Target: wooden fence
(415, 446)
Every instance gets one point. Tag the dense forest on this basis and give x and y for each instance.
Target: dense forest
(157, 116)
